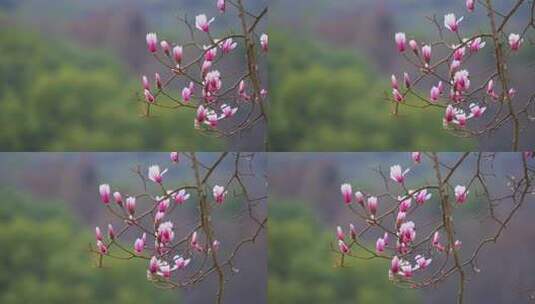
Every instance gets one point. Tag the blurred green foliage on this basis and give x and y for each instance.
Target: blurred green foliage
(302, 265)
(55, 96)
(325, 99)
(45, 259)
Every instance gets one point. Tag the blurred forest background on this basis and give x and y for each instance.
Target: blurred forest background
(330, 67)
(49, 207)
(305, 206)
(70, 76)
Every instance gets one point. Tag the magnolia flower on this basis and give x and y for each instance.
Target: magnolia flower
(177, 53)
(395, 265)
(454, 66)
(194, 244)
(202, 23)
(422, 262)
(352, 232)
(477, 44)
(406, 80)
(102, 248)
(397, 174)
(372, 205)
(155, 174)
(152, 42)
(400, 218)
(148, 96)
(139, 244)
(221, 5)
(228, 45)
(434, 94)
(347, 192)
(206, 65)
(394, 82)
(436, 239)
(449, 115)
(406, 270)
(264, 42)
(414, 46)
(515, 41)
(165, 47)
(145, 82)
(397, 95)
(340, 233)
(163, 204)
(158, 80)
(181, 197)
(476, 110)
(401, 40)
(201, 114)
(212, 81)
(104, 191)
(461, 194)
(111, 232)
(451, 22)
(359, 197)
(457, 244)
(422, 196)
(154, 265)
(118, 198)
(461, 80)
(165, 232)
(426, 53)
(416, 157)
(460, 118)
(511, 93)
(490, 89)
(174, 156)
(405, 204)
(186, 94)
(98, 234)
(470, 5)
(344, 249)
(131, 205)
(228, 111)
(219, 194)
(407, 234)
(181, 263)
(210, 53)
(380, 245)
(459, 53)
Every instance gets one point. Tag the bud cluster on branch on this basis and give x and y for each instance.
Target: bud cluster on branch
(193, 66)
(453, 90)
(179, 256)
(425, 248)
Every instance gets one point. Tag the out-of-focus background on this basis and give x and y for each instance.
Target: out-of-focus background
(305, 206)
(49, 207)
(331, 63)
(70, 76)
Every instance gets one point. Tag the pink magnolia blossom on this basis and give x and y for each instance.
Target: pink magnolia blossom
(400, 218)
(118, 198)
(219, 193)
(394, 82)
(221, 5)
(194, 242)
(359, 197)
(404, 204)
(451, 22)
(228, 45)
(449, 114)
(380, 245)
(177, 53)
(470, 5)
(422, 262)
(457, 244)
(426, 53)
(342, 246)
(202, 23)
(401, 41)
(406, 80)
(104, 191)
(165, 47)
(459, 53)
(111, 232)
(145, 82)
(511, 93)
(181, 263)
(139, 244)
(434, 94)
(154, 265)
(372, 205)
(181, 197)
(477, 44)
(490, 89)
(422, 196)
(454, 66)
(476, 111)
(515, 41)
(395, 265)
(148, 96)
(165, 232)
(347, 193)
(397, 174)
(414, 46)
(102, 248)
(212, 81)
(397, 95)
(131, 205)
(202, 112)
(416, 157)
(174, 156)
(228, 111)
(155, 174)
(98, 234)
(340, 233)
(461, 194)
(461, 118)
(152, 42)
(186, 94)
(264, 42)
(352, 232)
(461, 80)
(210, 53)
(158, 80)
(407, 234)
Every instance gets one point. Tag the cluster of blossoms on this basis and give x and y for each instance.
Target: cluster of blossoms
(162, 256)
(399, 241)
(203, 88)
(422, 247)
(453, 91)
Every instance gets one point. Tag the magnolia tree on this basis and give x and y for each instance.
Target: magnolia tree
(195, 81)
(425, 249)
(451, 86)
(178, 256)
